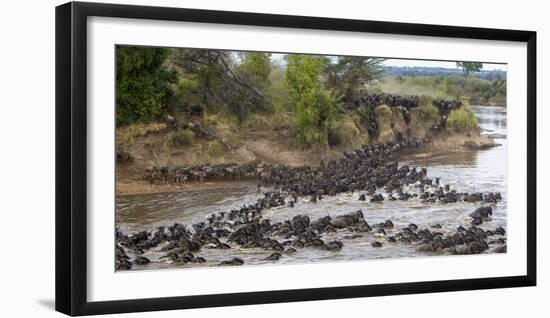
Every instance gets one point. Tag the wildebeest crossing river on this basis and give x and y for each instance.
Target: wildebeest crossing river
(465, 171)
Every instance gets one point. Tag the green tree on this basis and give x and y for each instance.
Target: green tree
(468, 67)
(219, 81)
(142, 83)
(257, 65)
(316, 106)
(346, 74)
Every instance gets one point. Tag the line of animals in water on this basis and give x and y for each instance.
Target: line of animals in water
(366, 171)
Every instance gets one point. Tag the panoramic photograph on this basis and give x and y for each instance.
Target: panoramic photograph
(227, 158)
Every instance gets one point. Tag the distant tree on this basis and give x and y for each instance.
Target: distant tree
(316, 106)
(346, 74)
(257, 65)
(142, 83)
(468, 67)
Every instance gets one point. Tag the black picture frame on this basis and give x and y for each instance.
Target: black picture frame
(71, 157)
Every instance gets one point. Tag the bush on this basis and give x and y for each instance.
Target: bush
(424, 101)
(143, 84)
(462, 119)
(367, 115)
(316, 107)
(383, 111)
(180, 138)
(343, 132)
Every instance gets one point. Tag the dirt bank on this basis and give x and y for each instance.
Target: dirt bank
(130, 184)
(272, 141)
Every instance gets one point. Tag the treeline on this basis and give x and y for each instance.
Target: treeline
(154, 81)
(441, 71)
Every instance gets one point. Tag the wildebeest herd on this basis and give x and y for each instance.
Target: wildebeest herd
(392, 100)
(368, 171)
(406, 102)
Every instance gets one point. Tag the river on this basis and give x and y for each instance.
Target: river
(471, 171)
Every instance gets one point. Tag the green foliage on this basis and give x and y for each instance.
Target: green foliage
(316, 107)
(277, 94)
(142, 83)
(257, 65)
(468, 67)
(478, 91)
(224, 84)
(367, 115)
(428, 113)
(186, 94)
(462, 119)
(346, 74)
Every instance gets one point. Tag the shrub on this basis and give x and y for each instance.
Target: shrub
(424, 101)
(383, 110)
(180, 138)
(344, 131)
(428, 113)
(143, 83)
(462, 119)
(316, 107)
(367, 115)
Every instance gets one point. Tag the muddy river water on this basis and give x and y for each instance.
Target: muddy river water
(473, 171)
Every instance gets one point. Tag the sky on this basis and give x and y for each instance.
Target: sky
(421, 63)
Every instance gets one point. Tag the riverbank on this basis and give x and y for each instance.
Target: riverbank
(137, 187)
(442, 145)
(149, 155)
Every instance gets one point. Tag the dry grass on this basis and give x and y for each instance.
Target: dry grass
(215, 149)
(426, 110)
(179, 138)
(131, 132)
(345, 132)
(276, 121)
(412, 86)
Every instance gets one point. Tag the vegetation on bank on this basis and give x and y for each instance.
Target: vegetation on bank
(217, 99)
(462, 119)
(478, 91)
(143, 84)
(309, 90)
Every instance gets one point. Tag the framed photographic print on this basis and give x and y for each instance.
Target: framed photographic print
(209, 158)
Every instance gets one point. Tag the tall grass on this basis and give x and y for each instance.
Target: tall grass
(138, 130)
(462, 119)
(344, 132)
(179, 138)
(426, 110)
(477, 90)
